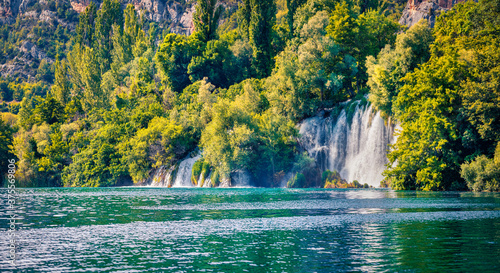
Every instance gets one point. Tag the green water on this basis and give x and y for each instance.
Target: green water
(252, 230)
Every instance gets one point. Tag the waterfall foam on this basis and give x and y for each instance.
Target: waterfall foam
(356, 149)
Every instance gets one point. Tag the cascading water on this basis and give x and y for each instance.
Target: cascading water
(162, 177)
(356, 149)
(183, 176)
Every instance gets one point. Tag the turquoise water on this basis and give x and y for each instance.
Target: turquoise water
(252, 230)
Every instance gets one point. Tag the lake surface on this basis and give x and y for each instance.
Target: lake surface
(252, 230)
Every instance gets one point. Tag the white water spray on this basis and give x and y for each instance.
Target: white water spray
(358, 151)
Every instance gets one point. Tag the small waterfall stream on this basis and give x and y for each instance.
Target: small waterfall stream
(357, 149)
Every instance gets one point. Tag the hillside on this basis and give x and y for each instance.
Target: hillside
(34, 32)
(116, 97)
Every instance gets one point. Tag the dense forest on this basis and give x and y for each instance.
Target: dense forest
(125, 96)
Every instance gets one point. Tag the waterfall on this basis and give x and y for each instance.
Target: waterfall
(183, 176)
(162, 177)
(356, 148)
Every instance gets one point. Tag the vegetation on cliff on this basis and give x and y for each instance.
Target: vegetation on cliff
(116, 104)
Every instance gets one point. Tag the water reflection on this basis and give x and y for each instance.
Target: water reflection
(267, 230)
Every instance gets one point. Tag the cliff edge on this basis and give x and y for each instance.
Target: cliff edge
(425, 9)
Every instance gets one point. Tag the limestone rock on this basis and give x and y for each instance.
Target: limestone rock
(429, 10)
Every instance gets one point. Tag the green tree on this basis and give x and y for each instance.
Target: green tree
(109, 13)
(6, 146)
(206, 18)
(85, 29)
(92, 96)
(343, 27)
(173, 57)
(214, 64)
(440, 129)
(428, 147)
(244, 17)
(49, 111)
(292, 6)
(385, 72)
(375, 31)
(262, 20)
(61, 87)
(482, 174)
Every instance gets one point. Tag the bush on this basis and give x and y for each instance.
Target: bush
(482, 174)
(333, 180)
(195, 173)
(298, 181)
(200, 168)
(215, 178)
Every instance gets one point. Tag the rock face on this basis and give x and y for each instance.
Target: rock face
(177, 16)
(425, 9)
(172, 14)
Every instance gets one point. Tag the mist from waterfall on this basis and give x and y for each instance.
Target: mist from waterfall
(356, 148)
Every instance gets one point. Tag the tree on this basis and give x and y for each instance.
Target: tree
(375, 31)
(110, 13)
(428, 147)
(262, 20)
(214, 64)
(61, 87)
(447, 106)
(45, 72)
(385, 72)
(6, 147)
(311, 73)
(85, 29)
(482, 174)
(93, 96)
(174, 55)
(343, 27)
(206, 18)
(292, 6)
(244, 17)
(49, 111)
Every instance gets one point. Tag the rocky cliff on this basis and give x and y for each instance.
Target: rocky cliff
(178, 15)
(35, 23)
(425, 9)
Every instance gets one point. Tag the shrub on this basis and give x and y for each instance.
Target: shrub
(195, 174)
(482, 174)
(298, 181)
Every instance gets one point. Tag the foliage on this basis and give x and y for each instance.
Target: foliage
(6, 148)
(392, 64)
(174, 56)
(442, 126)
(260, 32)
(298, 181)
(206, 18)
(311, 73)
(114, 99)
(482, 174)
(240, 136)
